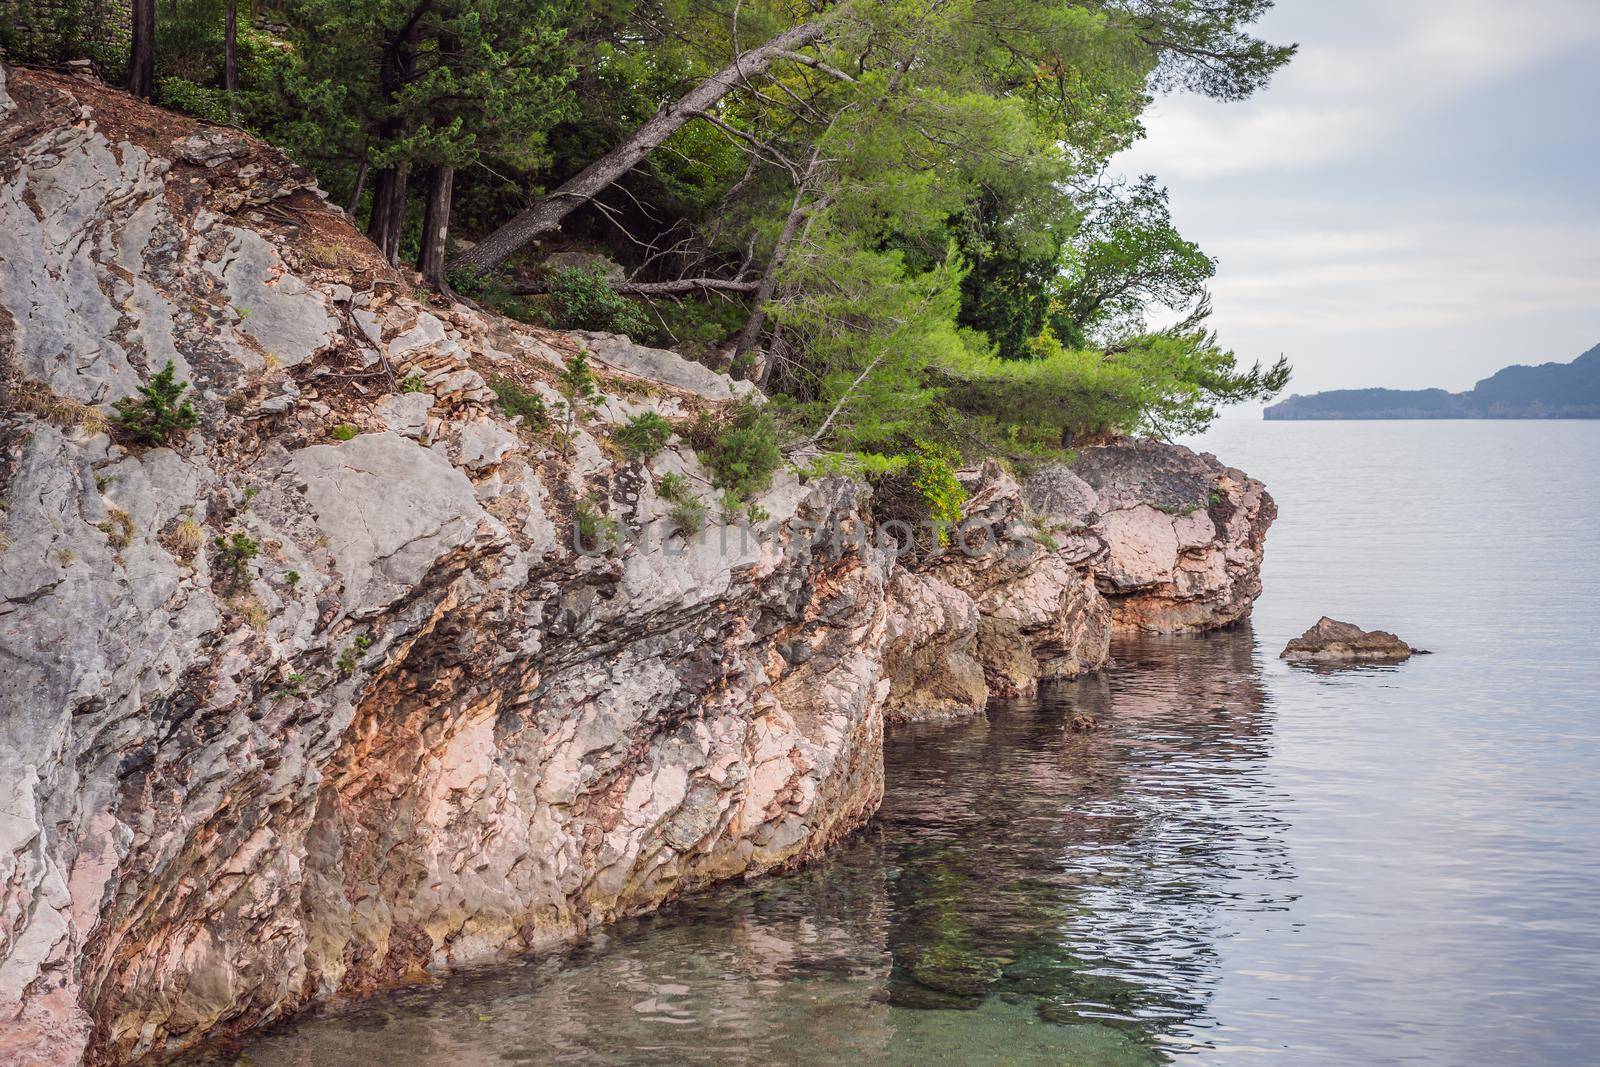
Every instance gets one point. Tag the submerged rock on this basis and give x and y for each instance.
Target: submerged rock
(1331, 641)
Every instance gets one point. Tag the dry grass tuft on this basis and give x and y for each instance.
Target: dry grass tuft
(62, 412)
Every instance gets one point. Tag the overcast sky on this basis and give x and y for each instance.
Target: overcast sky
(1414, 201)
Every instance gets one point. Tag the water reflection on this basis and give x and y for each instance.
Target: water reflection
(1028, 894)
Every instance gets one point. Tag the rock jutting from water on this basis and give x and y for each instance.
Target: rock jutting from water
(333, 693)
(1331, 641)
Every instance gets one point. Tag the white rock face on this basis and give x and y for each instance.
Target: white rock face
(1183, 534)
(408, 728)
(328, 694)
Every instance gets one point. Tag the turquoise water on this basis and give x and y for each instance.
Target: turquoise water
(1247, 862)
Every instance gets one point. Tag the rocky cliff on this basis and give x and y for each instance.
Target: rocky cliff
(336, 691)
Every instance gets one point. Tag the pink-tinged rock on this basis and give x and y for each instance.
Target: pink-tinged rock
(1331, 641)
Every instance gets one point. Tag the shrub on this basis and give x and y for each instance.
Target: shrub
(745, 454)
(343, 432)
(118, 529)
(350, 658)
(414, 384)
(932, 470)
(181, 94)
(687, 516)
(644, 435)
(518, 402)
(577, 384)
(161, 412)
(187, 538)
(674, 486)
(595, 529)
(233, 560)
(582, 299)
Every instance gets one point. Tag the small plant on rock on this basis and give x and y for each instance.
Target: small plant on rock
(350, 658)
(675, 486)
(578, 386)
(518, 402)
(160, 412)
(343, 432)
(233, 560)
(187, 538)
(745, 454)
(643, 435)
(687, 517)
(596, 531)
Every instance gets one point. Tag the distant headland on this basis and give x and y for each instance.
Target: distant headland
(1548, 391)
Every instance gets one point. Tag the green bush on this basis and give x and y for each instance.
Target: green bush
(932, 470)
(687, 516)
(161, 412)
(643, 435)
(745, 454)
(181, 94)
(343, 432)
(233, 560)
(516, 401)
(675, 486)
(595, 529)
(582, 299)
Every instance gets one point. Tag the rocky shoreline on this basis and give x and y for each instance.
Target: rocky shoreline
(417, 729)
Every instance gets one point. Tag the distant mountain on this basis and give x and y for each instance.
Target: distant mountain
(1548, 391)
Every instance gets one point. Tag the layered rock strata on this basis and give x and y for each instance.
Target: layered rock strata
(362, 680)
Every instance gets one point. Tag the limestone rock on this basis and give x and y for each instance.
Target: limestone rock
(1183, 533)
(414, 730)
(287, 720)
(1331, 641)
(619, 353)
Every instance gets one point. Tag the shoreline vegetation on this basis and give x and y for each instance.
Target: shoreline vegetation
(316, 697)
(894, 220)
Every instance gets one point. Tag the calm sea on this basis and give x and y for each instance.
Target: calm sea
(1246, 863)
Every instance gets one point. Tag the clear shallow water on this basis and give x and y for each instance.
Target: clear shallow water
(1246, 863)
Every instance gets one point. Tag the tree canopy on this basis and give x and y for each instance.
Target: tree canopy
(895, 215)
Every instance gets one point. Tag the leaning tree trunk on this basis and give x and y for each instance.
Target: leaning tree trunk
(548, 213)
(142, 50)
(230, 58)
(436, 225)
(751, 334)
(388, 210)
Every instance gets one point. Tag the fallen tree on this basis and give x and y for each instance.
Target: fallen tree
(549, 212)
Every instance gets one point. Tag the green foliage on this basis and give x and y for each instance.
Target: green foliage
(291, 578)
(745, 454)
(160, 412)
(413, 383)
(596, 531)
(932, 470)
(643, 435)
(577, 382)
(1127, 258)
(477, 79)
(343, 432)
(233, 561)
(350, 658)
(582, 299)
(687, 516)
(518, 402)
(675, 487)
(957, 270)
(202, 102)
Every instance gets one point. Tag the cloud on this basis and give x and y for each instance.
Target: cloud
(1368, 71)
(1414, 201)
